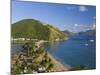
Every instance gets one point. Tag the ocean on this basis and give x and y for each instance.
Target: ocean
(73, 52)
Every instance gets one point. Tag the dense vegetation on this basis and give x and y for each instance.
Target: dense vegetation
(31, 59)
(30, 28)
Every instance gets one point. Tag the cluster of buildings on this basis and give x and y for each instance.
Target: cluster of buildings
(22, 39)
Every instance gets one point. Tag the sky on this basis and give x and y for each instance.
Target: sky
(75, 18)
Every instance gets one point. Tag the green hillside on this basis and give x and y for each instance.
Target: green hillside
(30, 28)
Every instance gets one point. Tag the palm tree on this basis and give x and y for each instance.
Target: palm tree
(50, 67)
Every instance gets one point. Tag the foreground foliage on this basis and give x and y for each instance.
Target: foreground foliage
(31, 60)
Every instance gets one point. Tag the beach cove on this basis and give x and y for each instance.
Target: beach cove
(65, 56)
(19, 55)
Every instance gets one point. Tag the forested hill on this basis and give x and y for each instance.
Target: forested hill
(30, 28)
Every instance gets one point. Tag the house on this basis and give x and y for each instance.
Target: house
(34, 72)
(14, 39)
(57, 39)
(41, 69)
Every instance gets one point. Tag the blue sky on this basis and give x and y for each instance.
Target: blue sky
(74, 18)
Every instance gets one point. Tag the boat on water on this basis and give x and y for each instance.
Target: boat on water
(91, 40)
(86, 44)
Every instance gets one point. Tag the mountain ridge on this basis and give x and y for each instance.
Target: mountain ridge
(31, 28)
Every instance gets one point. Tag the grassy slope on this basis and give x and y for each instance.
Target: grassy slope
(30, 28)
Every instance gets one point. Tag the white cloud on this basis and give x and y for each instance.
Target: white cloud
(94, 26)
(75, 25)
(80, 27)
(82, 8)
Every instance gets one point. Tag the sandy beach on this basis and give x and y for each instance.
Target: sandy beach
(58, 66)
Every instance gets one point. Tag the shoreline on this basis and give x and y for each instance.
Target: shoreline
(58, 66)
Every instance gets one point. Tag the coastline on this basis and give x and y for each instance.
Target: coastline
(58, 66)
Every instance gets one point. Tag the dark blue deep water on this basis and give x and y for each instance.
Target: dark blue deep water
(74, 52)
